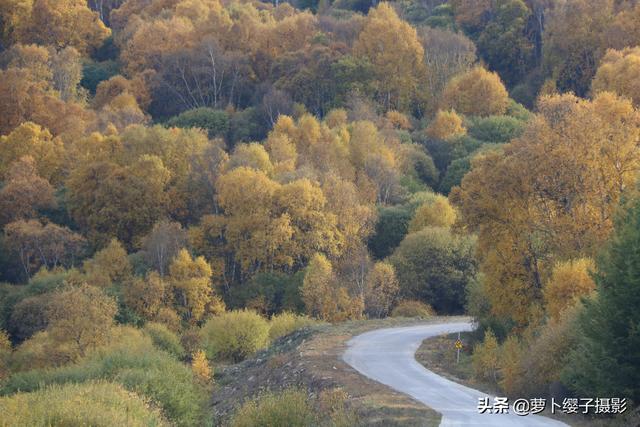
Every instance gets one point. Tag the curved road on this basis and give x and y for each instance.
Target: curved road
(387, 356)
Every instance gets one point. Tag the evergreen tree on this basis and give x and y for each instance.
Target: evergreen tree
(605, 361)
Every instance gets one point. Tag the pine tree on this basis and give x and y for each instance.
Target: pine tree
(605, 361)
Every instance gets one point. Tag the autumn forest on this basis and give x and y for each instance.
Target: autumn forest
(184, 182)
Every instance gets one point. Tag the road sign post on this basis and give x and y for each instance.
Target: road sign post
(458, 348)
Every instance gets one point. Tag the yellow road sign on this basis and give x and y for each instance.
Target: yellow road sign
(458, 344)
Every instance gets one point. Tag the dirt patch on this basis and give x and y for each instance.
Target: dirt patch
(312, 359)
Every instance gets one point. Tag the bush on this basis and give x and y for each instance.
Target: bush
(235, 335)
(434, 265)
(215, 122)
(285, 323)
(454, 174)
(133, 361)
(496, 129)
(290, 408)
(269, 293)
(392, 226)
(91, 404)
(411, 308)
(164, 339)
(486, 358)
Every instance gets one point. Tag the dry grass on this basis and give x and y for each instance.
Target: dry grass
(312, 359)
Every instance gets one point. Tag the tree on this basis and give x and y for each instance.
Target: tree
(504, 41)
(575, 38)
(162, 244)
(30, 139)
(81, 317)
(323, 297)
(476, 92)
(190, 281)
(37, 245)
(486, 358)
(436, 212)
(392, 47)
(604, 361)
(446, 54)
(67, 73)
(569, 282)
(24, 192)
(618, 73)
(549, 194)
(391, 227)
(147, 296)
(434, 266)
(446, 125)
(110, 265)
(108, 200)
(59, 23)
(382, 289)
(252, 156)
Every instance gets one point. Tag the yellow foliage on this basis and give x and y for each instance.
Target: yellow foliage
(201, 368)
(146, 296)
(398, 120)
(92, 403)
(336, 118)
(446, 125)
(486, 358)
(108, 265)
(30, 139)
(81, 317)
(382, 288)
(569, 281)
(436, 212)
(235, 335)
(550, 194)
(285, 323)
(477, 92)
(252, 156)
(5, 354)
(392, 46)
(323, 297)
(618, 73)
(511, 371)
(412, 308)
(191, 283)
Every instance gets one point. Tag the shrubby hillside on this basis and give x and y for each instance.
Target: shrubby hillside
(183, 182)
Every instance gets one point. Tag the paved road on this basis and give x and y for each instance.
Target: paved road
(387, 356)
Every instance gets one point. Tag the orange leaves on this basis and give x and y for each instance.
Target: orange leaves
(550, 195)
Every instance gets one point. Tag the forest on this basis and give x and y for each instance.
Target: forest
(183, 182)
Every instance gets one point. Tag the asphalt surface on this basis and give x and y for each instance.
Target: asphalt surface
(387, 356)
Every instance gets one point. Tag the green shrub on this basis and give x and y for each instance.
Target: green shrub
(290, 408)
(164, 339)
(284, 323)
(496, 129)
(90, 404)
(133, 361)
(269, 292)
(215, 122)
(235, 335)
(410, 308)
(434, 266)
(454, 174)
(392, 226)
